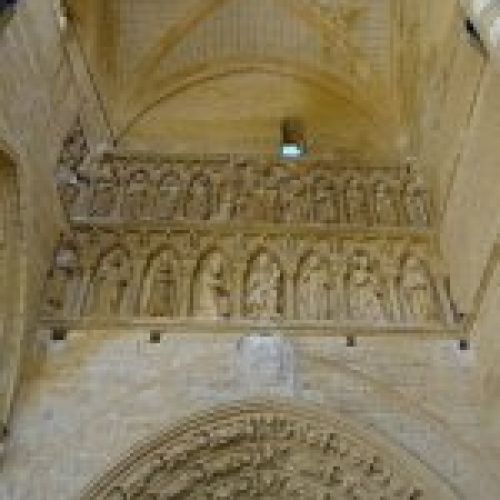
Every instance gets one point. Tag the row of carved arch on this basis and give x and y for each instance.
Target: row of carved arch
(268, 192)
(357, 288)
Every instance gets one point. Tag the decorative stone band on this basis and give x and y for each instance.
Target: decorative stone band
(267, 449)
(247, 280)
(156, 190)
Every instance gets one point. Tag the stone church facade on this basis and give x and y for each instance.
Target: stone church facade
(185, 313)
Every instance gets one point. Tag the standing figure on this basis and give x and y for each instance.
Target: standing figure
(198, 203)
(169, 197)
(271, 201)
(264, 289)
(162, 289)
(110, 284)
(385, 210)
(365, 293)
(137, 197)
(416, 291)
(325, 203)
(314, 290)
(225, 195)
(355, 202)
(104, 197)
(213, 291)
(294, 202)
(415, 197)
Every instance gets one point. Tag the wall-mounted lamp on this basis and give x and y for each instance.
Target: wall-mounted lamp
(293, 139)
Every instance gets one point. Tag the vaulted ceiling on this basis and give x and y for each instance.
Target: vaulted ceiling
(218, 75)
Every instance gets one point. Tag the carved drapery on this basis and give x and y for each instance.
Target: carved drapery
(230, 276)
(181, 189)
(232, 238)
(268, 450)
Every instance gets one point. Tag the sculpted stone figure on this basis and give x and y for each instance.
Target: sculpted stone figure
(264, 288)
(415, 197)
(104, 197)
(198, 204)
(365, 293)
(213, 291)
(109, 285)
(325, 206)
(294, 202)
(169, 197)
(163, 288)
(137, 197)
(416, 292)
(385, 209)
(60, 279)
(355, 201)
(314, 290)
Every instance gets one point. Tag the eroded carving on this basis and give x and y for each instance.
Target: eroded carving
(109, 284)
(329, 280)
(211, 294)
(247, 189)
(264, 288)
(417, 292)
(268, 450)
(162, 297)
(416, 205)
(61, 281)
(314, 289)
(365, 293)
(355, 202)
(385, 211)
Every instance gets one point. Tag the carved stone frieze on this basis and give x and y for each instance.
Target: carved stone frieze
(268, 451)
(183, 189)
(228, 275)
(241, 238)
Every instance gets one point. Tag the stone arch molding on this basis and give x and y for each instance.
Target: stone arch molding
(267, 450)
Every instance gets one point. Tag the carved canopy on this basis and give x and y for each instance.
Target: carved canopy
(267, 450)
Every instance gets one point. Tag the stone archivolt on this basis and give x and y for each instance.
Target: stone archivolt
(267, 450)
(220, 237)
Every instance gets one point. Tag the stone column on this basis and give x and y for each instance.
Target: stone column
(131, 305)
(184, 286)
(289, 295)
(82, 294)
(239, 290)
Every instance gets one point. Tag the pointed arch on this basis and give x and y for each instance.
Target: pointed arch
(109, 282)
(210, 291)
(367, 106)
(264, 286)
(419, 298)
(313, 286)
(160, 282)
